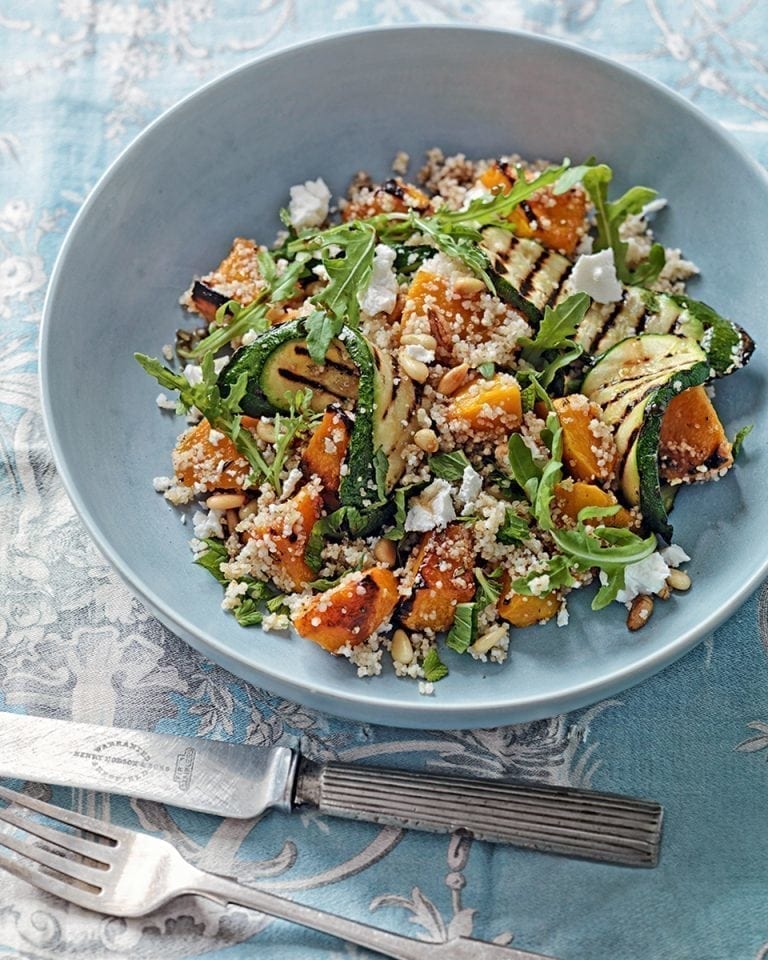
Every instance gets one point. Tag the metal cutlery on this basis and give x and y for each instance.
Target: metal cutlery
(234, 780)
(129, 874)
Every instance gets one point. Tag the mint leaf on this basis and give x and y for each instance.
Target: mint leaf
(212, 559)
(515, 528)
(488, 588)
(448, 466)
(327, 528)
(433, 666)
(463, 630)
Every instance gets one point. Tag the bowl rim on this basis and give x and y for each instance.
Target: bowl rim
(356, 701)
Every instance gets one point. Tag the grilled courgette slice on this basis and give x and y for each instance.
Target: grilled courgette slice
(530, 277)
(633, 383)
(357, 376)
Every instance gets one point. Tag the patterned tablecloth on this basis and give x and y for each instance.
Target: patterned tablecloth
(78, 80)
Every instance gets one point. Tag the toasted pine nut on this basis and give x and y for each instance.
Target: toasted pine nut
(640, 611)
(425, 340)
(490, 639)
(232, 520)
(678, 580)
(426, 440)
(414, 369)
(664, 593)
(401, 649)
(468, 286)
(249, 509)
(385, 552)
(451, 381)
(225, 501)
(265, 430)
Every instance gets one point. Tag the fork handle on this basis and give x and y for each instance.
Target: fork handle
(564, 820)
(227, 891)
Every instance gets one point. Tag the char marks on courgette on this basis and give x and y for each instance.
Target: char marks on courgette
(633, 383)
(530, 278)
(356, 375)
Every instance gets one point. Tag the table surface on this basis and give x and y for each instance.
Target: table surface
(78, 80)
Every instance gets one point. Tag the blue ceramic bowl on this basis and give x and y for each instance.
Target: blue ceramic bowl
(220, 164)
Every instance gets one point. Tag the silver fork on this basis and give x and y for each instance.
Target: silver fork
(130, 874)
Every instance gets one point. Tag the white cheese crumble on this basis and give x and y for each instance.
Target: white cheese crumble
(644, 577)
(595, 275)
(432, 510)
(653, 206)
(471, 485)
(674, 555)
(309, 203)
(248, 337)
(164, 403)
(418, 352)
(207, 525)
(380, 296)
(161, 484)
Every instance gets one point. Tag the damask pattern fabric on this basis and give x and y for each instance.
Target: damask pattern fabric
(78, 80)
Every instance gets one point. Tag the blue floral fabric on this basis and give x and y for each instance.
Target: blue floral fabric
(78, 80)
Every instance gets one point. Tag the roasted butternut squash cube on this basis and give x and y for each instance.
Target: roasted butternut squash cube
(238, 276)
(487, 407)
(206, 459)
(524, 611)
(572, 496)
(349, 613)
(555, 221)
(326, 451)
(692, 444)
(453, 309)
(442, 572)
(283, 535)
(589, 450)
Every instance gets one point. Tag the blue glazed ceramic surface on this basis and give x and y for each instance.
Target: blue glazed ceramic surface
(220, 165)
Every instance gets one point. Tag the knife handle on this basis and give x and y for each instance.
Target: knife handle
(565, 820)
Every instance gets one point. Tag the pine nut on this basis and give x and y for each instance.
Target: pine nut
(678, 580)
(414, 369)
(490, 639)
(468, 286)
(664, 593)
(225, 501)
(401, 649)
(426, 440)
(249, 509)
(640, 612)
(265, 430)
(451, 381)
(385, 552)
(232, 520)
(425, 340)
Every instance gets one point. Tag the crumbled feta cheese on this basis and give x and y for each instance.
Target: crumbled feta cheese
(248, 337)
(193, 374)
(563, 616)
(164, 403)
(380, 296)
(161, 484)
(653, 206)
(220, 362)
(471, 485)
(432, 510)
(674, 555)
(309, 203)
(539, 585)
(595, 275)
(207, 524)
(644, 577)
(417, 352)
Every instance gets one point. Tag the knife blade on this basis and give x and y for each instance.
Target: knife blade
(243, 781)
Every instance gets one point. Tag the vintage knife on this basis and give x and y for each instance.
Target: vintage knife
(235, 780)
